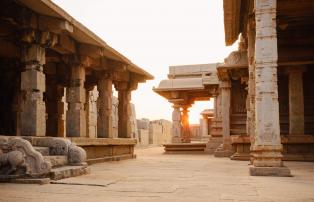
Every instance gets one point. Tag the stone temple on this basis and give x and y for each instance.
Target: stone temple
(262, 92)
(57, 106)
(59, 115)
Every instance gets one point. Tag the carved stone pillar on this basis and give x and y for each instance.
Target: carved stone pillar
(216, 127)
(124, 108)
(55, 108)
(33, 110)
(76, 114)
(267, 157)
(251, 82)
(176, 124)
(225, 108)
(225, 149)
(204, 127)
(104, 105)
(186, 135)
(296, 101)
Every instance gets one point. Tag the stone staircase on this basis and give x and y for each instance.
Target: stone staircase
(60, 167)
(40, 159)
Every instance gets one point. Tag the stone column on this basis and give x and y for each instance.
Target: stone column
(186, 135)
(55, 109)
(204, 126)
(124, 110)
(225, 113)
(33, 110)
(267, 157)
(224, 150)
(104, 104)
(251, 82)
(76, 115)
(296, 101)
(176, 124)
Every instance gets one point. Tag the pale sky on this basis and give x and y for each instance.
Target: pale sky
(155, 34)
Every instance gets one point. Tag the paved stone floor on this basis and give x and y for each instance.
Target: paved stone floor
(154, 176)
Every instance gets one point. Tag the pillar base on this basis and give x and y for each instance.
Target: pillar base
(270, 171)
(212, 144)
(223, 151)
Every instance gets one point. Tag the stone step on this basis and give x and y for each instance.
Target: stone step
(68, 171)
(185, 147)
(57, 161)
(43, 150)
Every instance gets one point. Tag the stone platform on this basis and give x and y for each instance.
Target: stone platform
(32, 159)
(184, 148)
(106, 149)
(156, 177)
(295, 147)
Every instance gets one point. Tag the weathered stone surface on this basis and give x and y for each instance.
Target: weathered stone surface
(270, 171)
(104, 106)
(59, 146)
(68, 171)
(76, 155)
(176, 124)
(34, 161)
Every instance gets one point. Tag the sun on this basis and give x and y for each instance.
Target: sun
(197, 108)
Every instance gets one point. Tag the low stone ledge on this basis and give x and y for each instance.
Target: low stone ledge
(102, 141)
(270, 171)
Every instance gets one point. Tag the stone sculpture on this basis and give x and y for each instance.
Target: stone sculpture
(76, 155)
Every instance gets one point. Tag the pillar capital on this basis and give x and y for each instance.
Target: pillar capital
(225, 84)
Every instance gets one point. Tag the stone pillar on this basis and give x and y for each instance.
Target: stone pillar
(124, 110)
(176, 124)
(33, 110)
(224, 150)
(225, 108)
(104, 105)
(296, 101)
(267, 157)
(186, 134)
(216, 127)
(55, 109)
(251, 82)
(76, 115)
(204, 126)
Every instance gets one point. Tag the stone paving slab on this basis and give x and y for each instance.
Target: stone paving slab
(154, 176)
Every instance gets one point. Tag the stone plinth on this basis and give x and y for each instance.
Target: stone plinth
(106, 149)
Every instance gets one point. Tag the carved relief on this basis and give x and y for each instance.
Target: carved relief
(76, 155)
(59, 147)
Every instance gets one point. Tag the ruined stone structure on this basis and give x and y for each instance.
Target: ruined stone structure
(156, 132)
(270, 75)
(49, 60)
(185, 85)
(263, 105)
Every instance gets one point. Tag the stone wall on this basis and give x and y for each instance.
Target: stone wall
(158, 131)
